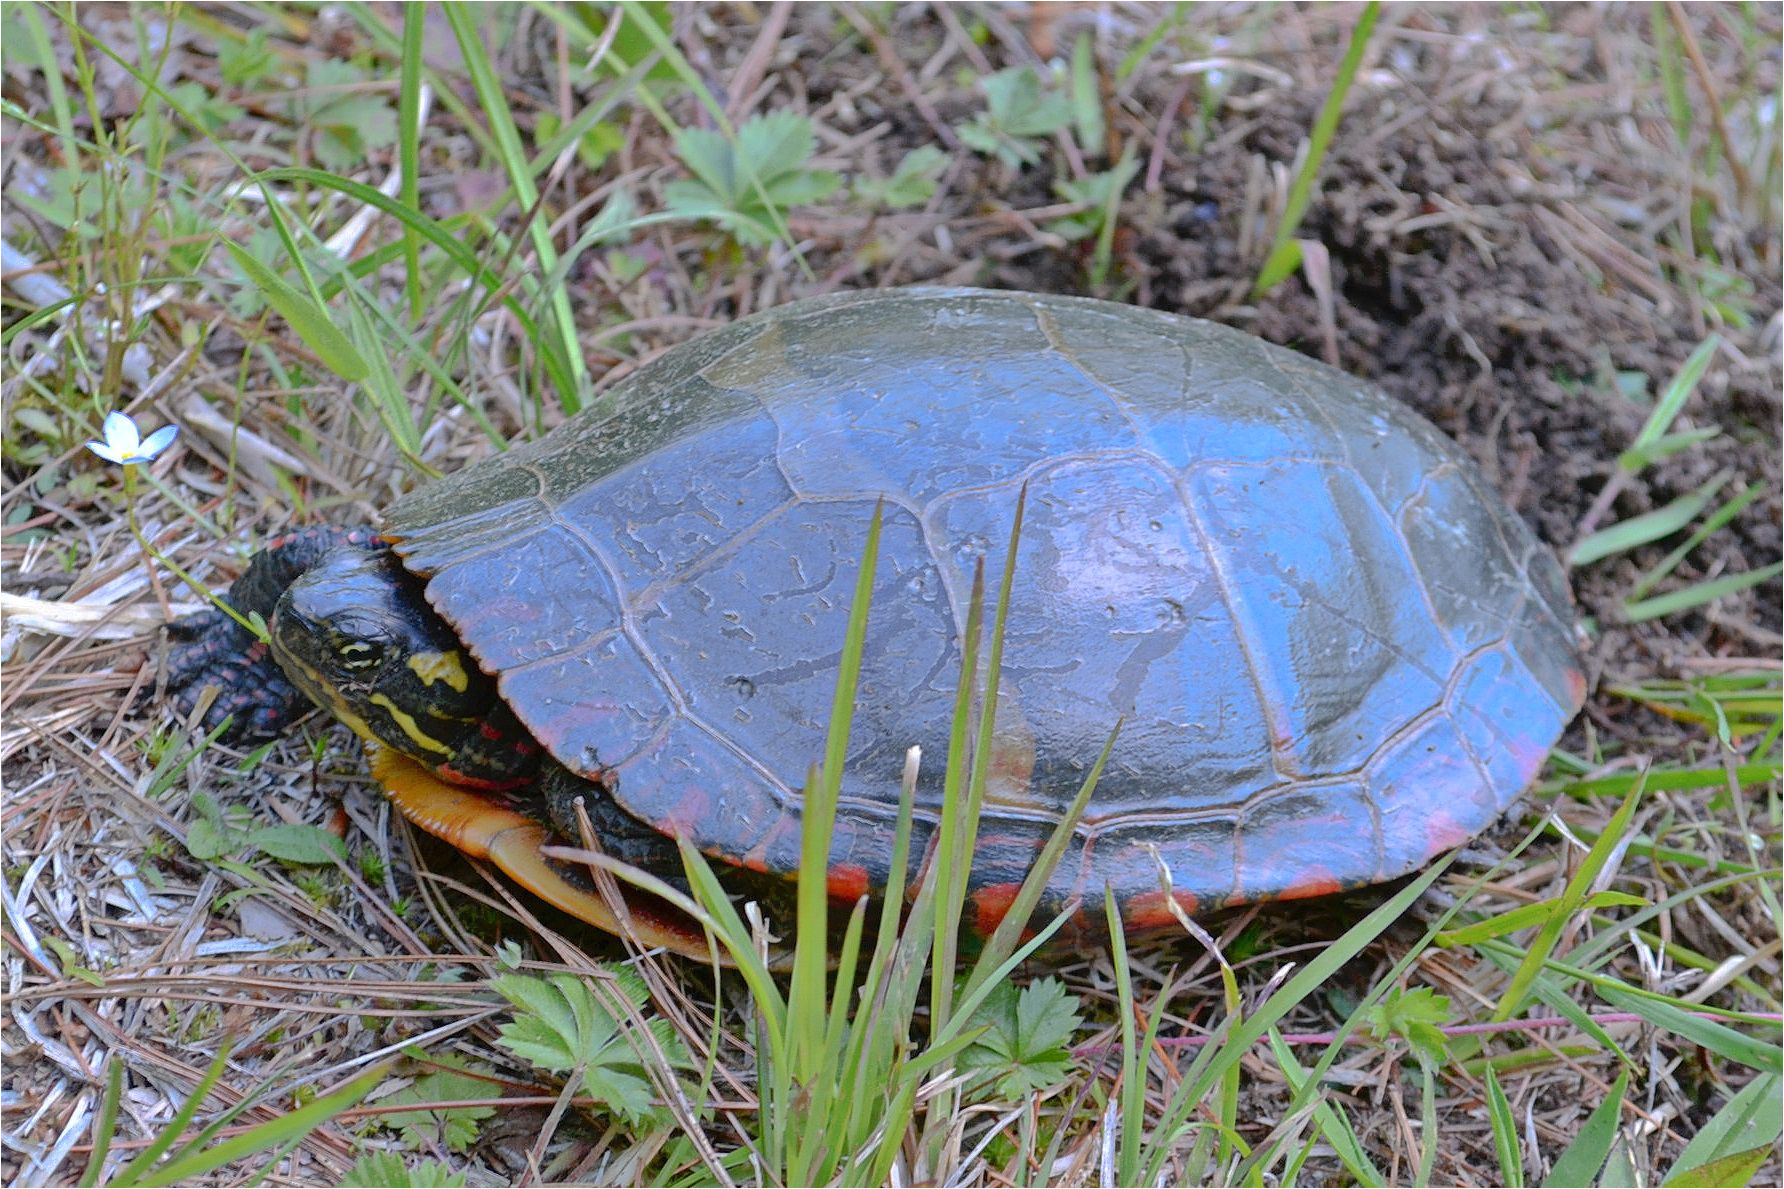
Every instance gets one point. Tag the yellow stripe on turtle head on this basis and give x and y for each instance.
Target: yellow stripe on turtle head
(411, 728)
(440, 666)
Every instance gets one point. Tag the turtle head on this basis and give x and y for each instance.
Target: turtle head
(356, 635)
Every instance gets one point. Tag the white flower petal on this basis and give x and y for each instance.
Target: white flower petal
(121, 433)
(105, 451)
(158, 441)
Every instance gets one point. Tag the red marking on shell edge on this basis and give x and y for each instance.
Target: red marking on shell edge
(489, 732)
(846, 881)
(1443, 833)
(1150, 910)
(991, 904)
(1530, 760)
(1315, 881)
(452, 775)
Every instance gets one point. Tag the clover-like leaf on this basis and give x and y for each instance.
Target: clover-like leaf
(1023, 1049)
(564, 1026)
(743, 186)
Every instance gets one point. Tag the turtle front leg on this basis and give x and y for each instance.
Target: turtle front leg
(212, 649)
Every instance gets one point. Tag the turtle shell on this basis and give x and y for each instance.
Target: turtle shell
(1335, 652)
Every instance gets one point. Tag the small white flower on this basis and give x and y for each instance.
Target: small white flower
(125, 445)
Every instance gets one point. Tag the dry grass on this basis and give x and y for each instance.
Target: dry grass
(1525, 225)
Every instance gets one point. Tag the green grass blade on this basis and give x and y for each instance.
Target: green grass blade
(1711, 525)
(1285, 255)
(1670, 62)
(1087, 105)
(1747, 775)
(286, 1129)
(1162, 27)
(1505, 1134)
(1723, 1041)
(389, 395)
(639, 16)
(409, 79)
(951, 834)
(1668, 406)
(447, 241)
(43, 54)
(1579, 1164)
(1003, 938)
(1648, 527)
(1334, 1127)
(1571, 900)
(1699, 594)
(806, 995)
(1133, 1083)
(1751, 1120)
(1314, 975)
(1428, 1135)
(35, 318)
(306, 315)
(137, 1171)
(558, 323)
(734, 934)
(984, 747)
(105, 1125)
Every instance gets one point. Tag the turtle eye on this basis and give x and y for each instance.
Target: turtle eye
(360, 655)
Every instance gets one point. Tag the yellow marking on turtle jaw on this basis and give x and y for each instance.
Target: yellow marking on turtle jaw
(326, 695)
(411, 728)
(440, 666)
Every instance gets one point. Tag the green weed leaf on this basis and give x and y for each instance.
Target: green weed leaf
(1100, 194)
(563, 1026)
(745, 186)
(912, 183)
(295, 842)
(244, 62)
(349, 120)
(1018, 112)
(457, 1126)
(1416, 1016)
(1024, 1043)
(386, 1170)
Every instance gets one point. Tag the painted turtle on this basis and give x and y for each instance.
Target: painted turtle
(1336, 651)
